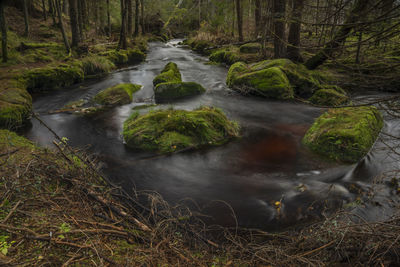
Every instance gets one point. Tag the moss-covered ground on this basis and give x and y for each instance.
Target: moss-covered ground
(345, 134)
(120, 94)
(168, 131)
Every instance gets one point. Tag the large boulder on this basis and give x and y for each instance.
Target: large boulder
(225, 56)
(329, 97)
(165, 92)
(15, 104)
(120, 94)
(169, 74)
(166, 131)
(344, 134)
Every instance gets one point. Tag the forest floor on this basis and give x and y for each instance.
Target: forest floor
(57, 209)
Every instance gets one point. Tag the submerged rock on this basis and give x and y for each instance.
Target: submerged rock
(169, 91)
(250, 48)
(167, 131)
(345, 134)
(170, 73)
(117, 95)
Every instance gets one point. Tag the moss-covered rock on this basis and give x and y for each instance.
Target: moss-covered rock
(270, 82)
(165, 92)
(167, 131)
(94, 65)
(329, 97)
(224, 56)
(250, 48)
(169, 74)
(344, 134)
(199, 46)
(124, 57)
(303, 81)
(15, 106)
(120, 94)
(50, 78)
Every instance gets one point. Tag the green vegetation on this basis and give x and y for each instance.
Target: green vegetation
(172, 90)
(94, 65)
(329, 97)
(225, 56)
(167, 131)
(120, 94)
(251, 48)
(169, 74)
(344, 134)
(124, 57)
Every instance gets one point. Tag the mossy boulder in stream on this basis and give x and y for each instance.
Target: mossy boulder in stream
(15, 104)
(124, 57)
(271, 82)
(166, 131)
(329, 97)
(165, 92)
(169, 74)
(95, 65)
(225, 56)
(120, 94)
(250, 48)
(345, 134)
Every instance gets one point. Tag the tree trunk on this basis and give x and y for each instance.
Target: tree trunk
(80, 19)
(3, 27)
(52, 11)
(59, 13)
(65, 7)
(257, 17)
(279, 28)
(293, 48)
(122, 37)
(108, 19)
(130, 17)
(340, 37)
(142, 17)
(73, 15)
(44, 10)
(239, 20)
(136, 17)
(26, 17)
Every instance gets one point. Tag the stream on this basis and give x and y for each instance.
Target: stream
(239, 182)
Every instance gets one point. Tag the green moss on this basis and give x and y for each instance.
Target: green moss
(200, 46)
(234, 71)
(271, 83)
(329, 97)
(93, 65)
(49, 78)
(169, 74)
(15, 107)
(10, 141)
(120, 94)
(250, 48)
(171, 130)
(124, 57)
(170, 91)
(135, 56)
(223, 56)
(303, 81)
(344, 134)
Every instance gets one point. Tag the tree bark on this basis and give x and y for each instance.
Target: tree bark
(44, 10)
(340, 37)
(279, 28)
(239, 19)
(3, 27)
(73, 16)
(108, 19)
(293, 48)
(130, 17)
(26, 17)
(136, 18)
(122, 37)
(80, 6)
(52, 11)
(65, 38)
(142, 21)
(257, 17)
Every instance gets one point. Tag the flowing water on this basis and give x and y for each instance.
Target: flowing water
(246, 176)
